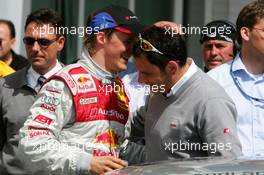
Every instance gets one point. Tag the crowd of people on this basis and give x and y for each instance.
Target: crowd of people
(84, 119)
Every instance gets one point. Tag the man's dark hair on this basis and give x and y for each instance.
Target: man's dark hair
(173, 47)
(11, 27)
(46, 16)
(250, 16)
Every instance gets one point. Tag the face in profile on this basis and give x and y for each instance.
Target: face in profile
(217, 52)
(151, 75)
(118, 49)
(255, 37)
(42, 46)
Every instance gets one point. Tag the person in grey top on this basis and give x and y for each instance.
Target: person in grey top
(18, 90)
(187, 114)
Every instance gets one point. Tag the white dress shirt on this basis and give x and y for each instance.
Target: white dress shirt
(32, 75)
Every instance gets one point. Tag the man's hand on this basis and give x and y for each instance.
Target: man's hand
(100, 165)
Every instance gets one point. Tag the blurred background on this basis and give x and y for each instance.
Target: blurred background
(190, 13)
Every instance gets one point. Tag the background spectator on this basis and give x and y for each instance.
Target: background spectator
(18, 90)
(243, 79)
(7, 42)
(218, 42)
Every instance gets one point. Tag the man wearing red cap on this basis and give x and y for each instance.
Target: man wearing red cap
(77, 122)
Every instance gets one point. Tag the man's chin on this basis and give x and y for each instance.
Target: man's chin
(122, 68)
(38, 65)
(214, 65)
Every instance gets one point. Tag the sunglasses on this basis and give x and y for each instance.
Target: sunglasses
(41, 41)
(147, 46)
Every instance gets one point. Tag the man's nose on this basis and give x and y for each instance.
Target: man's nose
(36, 46)
(214, 50)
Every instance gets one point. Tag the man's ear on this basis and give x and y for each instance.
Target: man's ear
(172, 67)
(13, 41)
(244, 32)
(101, 38)
(61, 42)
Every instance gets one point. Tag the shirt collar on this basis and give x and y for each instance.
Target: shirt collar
(32, 75)
(238, 68)
(54, 70)
(93, 67)
(238, 64)
(188, 74)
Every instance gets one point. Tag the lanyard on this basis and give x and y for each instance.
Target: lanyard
(238, 85)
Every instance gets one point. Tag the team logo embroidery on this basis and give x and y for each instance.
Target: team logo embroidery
(48, 107)
(226, 130)
(86, 101)
(53, 90)
(68, 80)
(174, 124)
(38, 133)
(49, 100)
(43, 120)
(121, 96)
(85, 83)
(109, 139)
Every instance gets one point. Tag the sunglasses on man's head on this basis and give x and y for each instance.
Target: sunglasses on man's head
(147, 46)
(41, 41)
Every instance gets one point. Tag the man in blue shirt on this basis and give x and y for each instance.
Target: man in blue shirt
(243, 79)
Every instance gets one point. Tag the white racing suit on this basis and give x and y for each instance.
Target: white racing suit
(80, 112)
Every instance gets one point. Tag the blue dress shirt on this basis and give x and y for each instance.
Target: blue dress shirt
(247, 92)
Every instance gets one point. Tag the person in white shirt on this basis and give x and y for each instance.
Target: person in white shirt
(136, 91)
